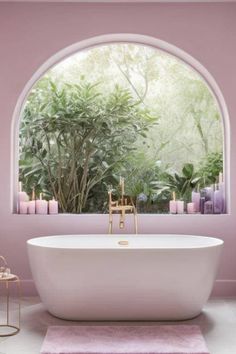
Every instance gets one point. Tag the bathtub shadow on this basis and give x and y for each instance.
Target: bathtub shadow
(36, 318)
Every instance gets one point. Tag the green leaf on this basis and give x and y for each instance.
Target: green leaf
(188, 169)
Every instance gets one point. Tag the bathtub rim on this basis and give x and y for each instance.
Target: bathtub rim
(32, 242)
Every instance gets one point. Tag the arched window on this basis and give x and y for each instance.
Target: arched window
(122, 109)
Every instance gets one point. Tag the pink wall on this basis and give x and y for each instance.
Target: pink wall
(31, 33)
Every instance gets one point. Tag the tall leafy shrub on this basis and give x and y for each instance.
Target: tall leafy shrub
(72, 138)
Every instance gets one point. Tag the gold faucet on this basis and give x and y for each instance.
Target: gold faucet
(122, 205)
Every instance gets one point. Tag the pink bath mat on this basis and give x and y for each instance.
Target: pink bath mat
(164, 339)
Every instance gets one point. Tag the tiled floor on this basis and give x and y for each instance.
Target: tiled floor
(217, 322)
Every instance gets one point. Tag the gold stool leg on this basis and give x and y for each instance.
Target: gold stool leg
(19, 302)
(16, 327)
(8, 295)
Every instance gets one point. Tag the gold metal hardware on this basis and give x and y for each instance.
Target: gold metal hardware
(123, 205)
(123, 243)
(6, 278)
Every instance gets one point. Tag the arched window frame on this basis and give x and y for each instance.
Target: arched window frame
(111, 39)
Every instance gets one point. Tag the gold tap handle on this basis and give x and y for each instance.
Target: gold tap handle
(121, 205)
(122, 187)
(122, 218)
(110, 223)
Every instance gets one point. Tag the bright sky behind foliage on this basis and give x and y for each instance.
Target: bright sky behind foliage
(189, 125)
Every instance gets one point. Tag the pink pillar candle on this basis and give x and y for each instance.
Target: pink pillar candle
(31, 207)
(190, 208)
(180, 206)
(41, 206)
(172, 207)
(23, 207)
(22, 197)
(53, 206)
(196, 200)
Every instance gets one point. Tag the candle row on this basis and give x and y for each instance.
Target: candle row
(176, 206)
(204, 207)
(210, 200)
(38, 206)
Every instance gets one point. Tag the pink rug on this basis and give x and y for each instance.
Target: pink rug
(164, 339)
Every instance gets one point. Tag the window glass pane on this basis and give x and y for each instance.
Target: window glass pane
(120, 110)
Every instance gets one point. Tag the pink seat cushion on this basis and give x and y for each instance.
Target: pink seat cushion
(116, 339)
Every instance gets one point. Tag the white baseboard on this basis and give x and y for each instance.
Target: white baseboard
(224, 287)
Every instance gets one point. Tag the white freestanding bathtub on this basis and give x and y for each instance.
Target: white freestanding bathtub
(153, 277)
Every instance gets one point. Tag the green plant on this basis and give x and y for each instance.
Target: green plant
(182, 184)
(72, 137)
(210, 168)
(93, 118)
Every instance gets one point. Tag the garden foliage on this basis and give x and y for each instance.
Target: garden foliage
(121, 109)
